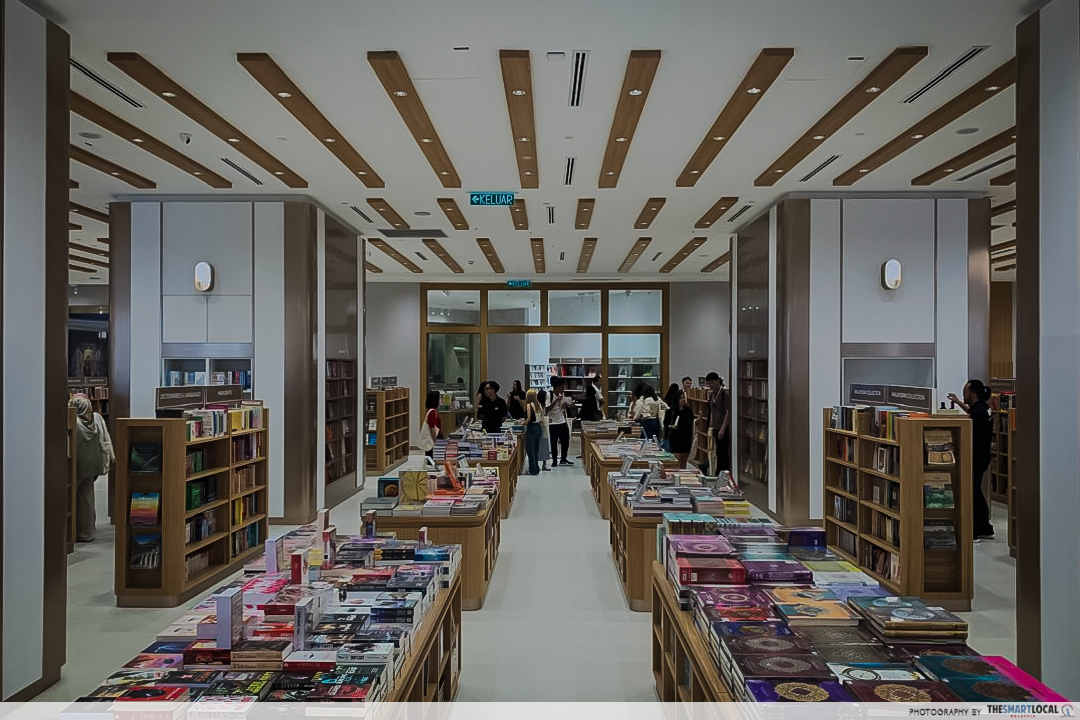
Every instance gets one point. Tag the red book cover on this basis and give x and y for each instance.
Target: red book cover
(710, 571)
(327, 691)
(156, 693)
(206, 652)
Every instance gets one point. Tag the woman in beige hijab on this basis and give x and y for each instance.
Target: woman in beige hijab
(94, 456)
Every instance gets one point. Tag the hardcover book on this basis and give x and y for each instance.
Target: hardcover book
(769, 628)
(777, 571)
(906, 613)
(161, 662)
(782, 665)
(705, 571)
(737, 595)
(791, 644)
(737, 613)
(957, 667)
(898, 672)
(852, 635)
(852, 654)
(939, 447)
(802, 691)
(156, 693)
(800, 594)
(816, 612)
(145, 458)
(699, 546)
(903, 692)
(938, 491)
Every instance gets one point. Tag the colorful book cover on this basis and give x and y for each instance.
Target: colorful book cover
(801, 691)
(990, 691)
(777, 571)
(958, 667)
(781, 665)
(699, 546)
(902, 692)
(737, 613)
(898, 672)
(838, 635)
(1021, 678)
(906, 612)
(769, 628)
(790, 644)
(799, 594)
(156, 693)
(164, 662)
(853, 654)
(738, 595)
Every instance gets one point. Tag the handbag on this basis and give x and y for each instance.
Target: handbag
(425, 442)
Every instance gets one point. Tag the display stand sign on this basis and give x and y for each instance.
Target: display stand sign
(907, 397)
(197, 396)
(866, 394)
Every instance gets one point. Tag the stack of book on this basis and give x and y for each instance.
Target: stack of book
(909, 618)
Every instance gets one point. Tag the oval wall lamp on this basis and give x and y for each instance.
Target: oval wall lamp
(891, 275)
(204, 276)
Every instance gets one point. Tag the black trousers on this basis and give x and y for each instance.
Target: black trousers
(980, 509)
(560, 433)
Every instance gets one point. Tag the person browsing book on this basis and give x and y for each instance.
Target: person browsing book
(94, 457)
(976, 405)
(650, 410)
(590, 405)
(432, 421)
(534, 432)
(493, 408)
(719, 420)
(680, 430)
(558, 412)
(515, 401)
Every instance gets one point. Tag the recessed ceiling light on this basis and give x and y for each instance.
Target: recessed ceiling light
(168, 94)
(361, 172)
(528, 173)
(397, 224)
(779, 170)
(329, 140)
(400, 93)
(519, 93)
(444, 173)
(284, 94)
(819, 137)
(635, 92)
(609, 172)
(873, 89)
(526, 157)
(115, 173)
(993, 88)
(620, 139)
(948, 170)
(524, 139)
(754, 90)
(694, 172)
(234, 140)
(427, 140)
(136, 140)
(652, 208)
(864, 170)
(196, 172)
(517, 209)
(917, 137)
(718, 138)
(586, 209)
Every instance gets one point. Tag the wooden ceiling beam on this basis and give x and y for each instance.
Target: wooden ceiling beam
(632, 257)
(717, 263)
(519, 214)
(716, 212)
(648, 213)
(588, 247)
(517, 86)
(388, 213)
(440, 252)
(683, 254)
(90, 213)
(539, 263)
(586, 208)
(453, 213)
(395, 255)
(983, 150)
(637, 81)
(84, 156)
(490, 255)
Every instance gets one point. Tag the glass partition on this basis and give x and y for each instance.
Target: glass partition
(453, 307)
(574, 307)
(576, 357)
(633, 360)
(513, 307)
(453, 361)
(635, 307)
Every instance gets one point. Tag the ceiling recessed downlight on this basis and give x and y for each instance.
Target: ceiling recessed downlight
(873, 89)
(425, 140)
(330, 140)
(993, 88)
(278, 172)
(948, 170)
(609, 172)
(917, 137)
(620, 139)
(361, 172)
(136, 140)
(168, 94)
(819, 137)
(234, 140)
(694, 172)
(754, 90)
(519, 93)
(284, 94)
(864, 170)
(400, 93)
(718, 138)
(635, 92)
(523, 139)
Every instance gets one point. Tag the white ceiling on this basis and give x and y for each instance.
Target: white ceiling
(707, 47)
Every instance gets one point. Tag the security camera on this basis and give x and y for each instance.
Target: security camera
(185, 138)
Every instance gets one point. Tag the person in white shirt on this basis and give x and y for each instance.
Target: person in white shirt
(558, 421)
(649, 411)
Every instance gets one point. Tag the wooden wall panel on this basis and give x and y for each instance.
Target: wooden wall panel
(1001, 330)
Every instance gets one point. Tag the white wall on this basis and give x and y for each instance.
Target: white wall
(699, 340)
(393, 338)
(267, 367)
(576, 345)
(506, 360)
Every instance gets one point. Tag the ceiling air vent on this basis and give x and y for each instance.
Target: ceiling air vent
(577, 76)
(551, 214)
(988, 166)
(421, 256)
(819, 168)
(942, 76)
(242, 171)
(406, 234)
(362, 214)
(568, 177)
(105, 83)
(735, 217)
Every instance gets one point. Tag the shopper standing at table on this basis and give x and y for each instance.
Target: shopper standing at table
(432, 421)
(680, 434)
(543, 455)
(719, 421)
(559, 421)
(599, 395)
(671, 400)
(635, 401)
(650, 410)
(515, 401)
(480, 401)
(590, 405)
(492, 408)
(94, 456)
(533, 431)
(975, 404)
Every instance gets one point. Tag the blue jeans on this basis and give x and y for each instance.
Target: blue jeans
(650, 428)
(533, 435)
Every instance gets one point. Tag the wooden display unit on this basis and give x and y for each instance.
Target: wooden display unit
(575, 370)
(478, 535)
(96, 389)
(509, 470)
(683, 669)
(753, 425)
(341, 419)
(240, 502)
(626, 373)
(1011, 487)
(698, 399)
(600, 466)
(875, 516)
(432, 671)
(1000, 458)
(386, 429)
(633, 550)
(73, 480)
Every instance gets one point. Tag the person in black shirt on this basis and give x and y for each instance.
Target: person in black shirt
(493, 408)
(680, 429)
(515, 401)
(976, 395)
(590, 405)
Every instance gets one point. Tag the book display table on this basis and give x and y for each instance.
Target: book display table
(432, 671)
(605, 461)
(682, 667)
(478, 536)
(508, 476)
(633, 549)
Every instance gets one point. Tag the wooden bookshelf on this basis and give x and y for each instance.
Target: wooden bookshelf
(478, 535)
(95, 389)
(698, 398)
(341, 421)
(386, 429)
(753, 424)
(633, 550)
(683, 669)
(237, 502)
(432, 670)
(1011, 487)
(73, 480)
(874, 511)
(1000, 454)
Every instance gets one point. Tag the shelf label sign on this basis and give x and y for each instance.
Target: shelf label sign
(866, 394)
(491, 197)
(519, 283)
(912, 398)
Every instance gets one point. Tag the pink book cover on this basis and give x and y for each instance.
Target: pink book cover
(1021, 678)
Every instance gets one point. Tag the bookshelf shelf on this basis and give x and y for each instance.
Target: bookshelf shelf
(154, 566)
(386, 417)
(752, 451)
(859, 519)
(340, 416)
(698, 399)
(200, 544)
(243, 463)
(204, 507)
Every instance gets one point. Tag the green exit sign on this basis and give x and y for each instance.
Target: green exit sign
(519, 283)
(491, 198)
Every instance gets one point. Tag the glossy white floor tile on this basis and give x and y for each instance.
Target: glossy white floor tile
(555, 624)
